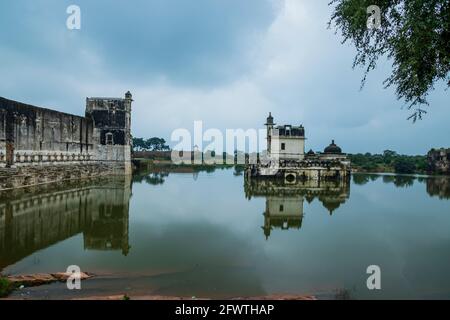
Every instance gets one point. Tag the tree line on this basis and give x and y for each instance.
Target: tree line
(151, 144)
(389, 161)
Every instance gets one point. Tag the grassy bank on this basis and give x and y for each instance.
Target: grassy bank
(6, 287)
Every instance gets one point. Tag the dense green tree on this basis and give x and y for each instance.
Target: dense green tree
(414, 34)
(139, 144)
(389, 156)
(404, 165)
(389, 153)
(389, 161)
(155, 144)
(151, 144)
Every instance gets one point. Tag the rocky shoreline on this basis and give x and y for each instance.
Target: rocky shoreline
(39, 286)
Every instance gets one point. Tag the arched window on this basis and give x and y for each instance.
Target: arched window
(109, 138)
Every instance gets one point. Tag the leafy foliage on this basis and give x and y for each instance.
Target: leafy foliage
(404, 165)
(414, 34)
(389, 161)
(152, 144)
(6, 287)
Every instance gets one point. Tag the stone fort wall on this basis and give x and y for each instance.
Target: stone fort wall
(439, 161)
(39, 145)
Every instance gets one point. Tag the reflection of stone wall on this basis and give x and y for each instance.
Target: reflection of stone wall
(439, 186)
(35, 218)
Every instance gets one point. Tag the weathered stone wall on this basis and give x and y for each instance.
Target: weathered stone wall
(439, 161)
(39, 145)
(112, 128)
(38, 134)
(18, 177)
(285, 147)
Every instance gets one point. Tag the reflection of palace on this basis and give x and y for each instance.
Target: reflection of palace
(284, 201)
(34, 219)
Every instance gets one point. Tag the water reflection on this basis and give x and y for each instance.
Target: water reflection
(194, 232)
(152, 178)
(158, 175)
(35, 218)
(284, 201)
(439, 187)
(401, 181)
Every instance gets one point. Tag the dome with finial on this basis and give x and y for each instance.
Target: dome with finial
(128, 95)
(331, 203)
(310, 152)
(269, 119)
(333, 148)
(331, 206)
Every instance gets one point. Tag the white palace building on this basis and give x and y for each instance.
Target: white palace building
(286, 157)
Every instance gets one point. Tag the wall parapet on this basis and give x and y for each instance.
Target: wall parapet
(44, 157)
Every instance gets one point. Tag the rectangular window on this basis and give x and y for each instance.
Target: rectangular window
(281, 208)
(109, 139)
(283, 146)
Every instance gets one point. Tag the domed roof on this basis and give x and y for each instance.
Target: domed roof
(310, 152)
(331, 206)
(331, 203)
(333, 148)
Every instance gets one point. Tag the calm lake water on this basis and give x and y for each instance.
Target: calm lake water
(211, 234)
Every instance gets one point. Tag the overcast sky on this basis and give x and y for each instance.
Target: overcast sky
(225, 62)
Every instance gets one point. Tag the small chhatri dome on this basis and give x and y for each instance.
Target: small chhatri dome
(333, 148)
(269, 119)
(310, 152)
(128, 95)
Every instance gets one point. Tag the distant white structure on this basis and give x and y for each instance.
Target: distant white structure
(286, 157)
(286, 141)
